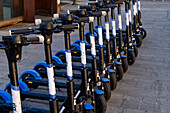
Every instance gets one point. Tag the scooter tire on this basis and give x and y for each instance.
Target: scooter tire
(131, 58)
(113, 81)
(107, 90)
(119, 73)
(101, 104)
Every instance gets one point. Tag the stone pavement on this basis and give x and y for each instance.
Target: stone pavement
(145, 87)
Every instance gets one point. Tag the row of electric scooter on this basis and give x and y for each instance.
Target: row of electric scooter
(96, 61)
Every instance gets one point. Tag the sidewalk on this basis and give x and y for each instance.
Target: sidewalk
(145, 87)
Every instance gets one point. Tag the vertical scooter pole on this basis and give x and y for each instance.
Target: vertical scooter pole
(15, 91)
(70, 83)
(83, 59)
(101, 50)
(14, 87)
(47, 31)
(108, 46)
(93, 51)
(130, 22)
(114, 41)
(127, 25)
(139, 14)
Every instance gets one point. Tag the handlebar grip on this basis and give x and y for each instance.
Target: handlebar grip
(104, 9)
(20, 31)
(38, 38)
(72, 11)
(98, 13)
(67, 17)
(111, 5)
(69, 26)
(39, 21)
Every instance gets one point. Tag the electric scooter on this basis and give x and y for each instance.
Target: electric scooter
(13, 47)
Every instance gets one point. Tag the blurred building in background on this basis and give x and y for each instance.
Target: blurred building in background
(13, 11)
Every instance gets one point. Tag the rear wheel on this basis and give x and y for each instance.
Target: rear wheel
(107, 90)
(135, 50)
(113, 81)
(124, 64)
(143, 33)
(2, 101)
(131, 58)
(139, 41)
(26, 77)
(119, 72)
(101, 104)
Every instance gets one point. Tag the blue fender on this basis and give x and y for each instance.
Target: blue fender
(56, 59)
(130, 49)
(22, 85)
(60, 51)
(134, 44)
(88, 32)
(103, 28)
(138, 35)
(40, 63)
(99, 92)
(88, 106)
(118, 63)
(111, 70)
(34, 73)
(6, 96)
(80, 41)
(142, 28)
(105, 80)
(123, 56)
(75, 45)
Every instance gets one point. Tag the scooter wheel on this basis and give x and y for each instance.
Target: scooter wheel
(41, 68)
(135, 51)
(119, 72)
(139, 41)
(107, 90)
(143, 33)
(124, 64)
(29, 76)
(60, 55)
(131, 58)
(113, 81)
(2, 101)
(101, 104)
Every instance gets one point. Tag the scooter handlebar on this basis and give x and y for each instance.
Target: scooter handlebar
(35, 39)
(68, 26)
(98, 13)
(88, 7)
(20, 31)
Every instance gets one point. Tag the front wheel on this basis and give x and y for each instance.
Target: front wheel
(131, 58)
(138, 41)
(107, 90)
(125, 64)
(113, 81)
(143, 33)
(119, 72)
(135, 50)
(101, 104)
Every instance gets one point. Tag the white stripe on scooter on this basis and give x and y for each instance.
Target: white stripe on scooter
(100, 36)
(16, 100)
(83, 53)
(139, 6)
(130, 16)
(120, 21)
(69, 65)
(114, 28)
(93, 49)
(127, 19)
(107, 31)
(62, 109)
(51, 83)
